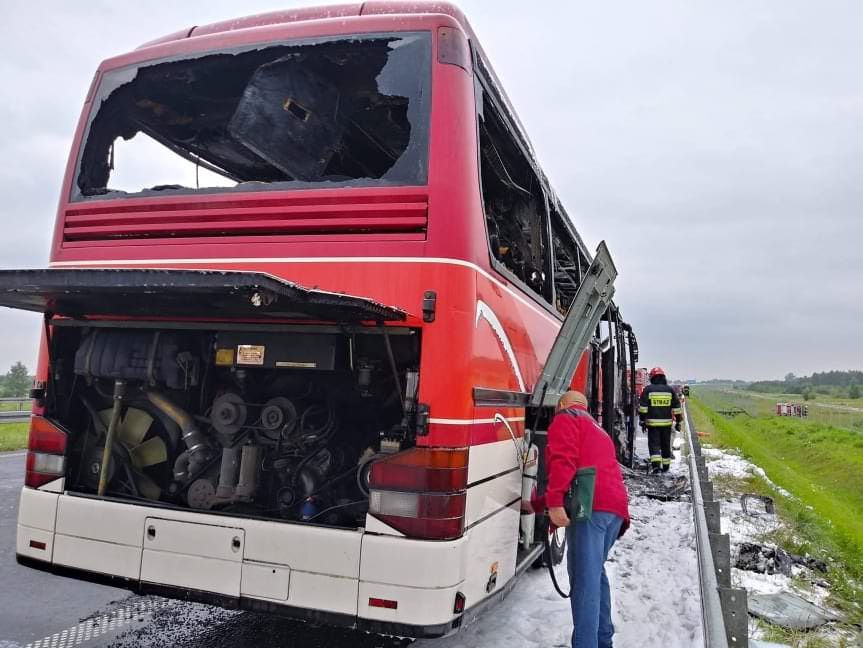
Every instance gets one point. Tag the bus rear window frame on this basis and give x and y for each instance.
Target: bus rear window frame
(97, 95)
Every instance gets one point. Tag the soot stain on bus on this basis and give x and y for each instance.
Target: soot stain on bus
(337, 111)
(236, 421)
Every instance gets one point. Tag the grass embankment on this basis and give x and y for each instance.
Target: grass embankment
(822, 467)
(15, 407)
(13, 436)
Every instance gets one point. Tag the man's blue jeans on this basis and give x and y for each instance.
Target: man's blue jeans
(588, 544)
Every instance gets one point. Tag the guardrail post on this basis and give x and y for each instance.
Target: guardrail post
(735, 614)
(711, 514)
(720, 546)
(706, 491)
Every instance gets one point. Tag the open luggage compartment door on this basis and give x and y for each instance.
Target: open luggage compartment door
(590, 302)
(99, 293)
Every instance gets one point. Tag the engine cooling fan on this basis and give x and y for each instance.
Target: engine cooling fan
(143, 448)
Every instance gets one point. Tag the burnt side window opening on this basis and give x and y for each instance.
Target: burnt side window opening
(347, 111)
(514, 203)
(570, 264)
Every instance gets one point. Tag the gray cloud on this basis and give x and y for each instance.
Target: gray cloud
(715, 146)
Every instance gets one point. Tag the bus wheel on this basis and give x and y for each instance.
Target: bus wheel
(556, 546)
(555, 550)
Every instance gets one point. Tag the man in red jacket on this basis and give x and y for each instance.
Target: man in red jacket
(575, 441)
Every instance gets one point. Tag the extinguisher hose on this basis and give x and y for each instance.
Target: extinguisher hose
(550, 563)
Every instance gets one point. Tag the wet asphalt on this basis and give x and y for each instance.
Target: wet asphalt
(39, 610)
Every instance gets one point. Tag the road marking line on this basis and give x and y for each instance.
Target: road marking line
(9, 455)
(94, 627)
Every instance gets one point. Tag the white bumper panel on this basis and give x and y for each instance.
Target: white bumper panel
(299, 565)
(37, 509)
(321, 592)
(416, 606)
(37, 514)
(28, 535)
(99, 557)
(263, 581)
(332, 570)
(205, 557)
(412, 563)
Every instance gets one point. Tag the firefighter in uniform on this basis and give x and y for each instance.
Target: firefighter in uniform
(659, 408)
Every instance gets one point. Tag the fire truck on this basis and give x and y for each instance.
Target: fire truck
(310, 303)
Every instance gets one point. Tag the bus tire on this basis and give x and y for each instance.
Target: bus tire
(554, 551)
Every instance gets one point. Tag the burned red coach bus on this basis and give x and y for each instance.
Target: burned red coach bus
(301, 316)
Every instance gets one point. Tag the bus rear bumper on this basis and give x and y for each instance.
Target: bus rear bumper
(330, 576)
(418, 631)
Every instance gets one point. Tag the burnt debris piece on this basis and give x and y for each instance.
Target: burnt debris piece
(765, 501)
(765, 559)
(667, 488)
(334, 110)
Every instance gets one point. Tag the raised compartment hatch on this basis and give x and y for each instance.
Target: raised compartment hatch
(82, 293)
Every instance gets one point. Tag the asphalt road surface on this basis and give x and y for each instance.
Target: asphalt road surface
(39, 610)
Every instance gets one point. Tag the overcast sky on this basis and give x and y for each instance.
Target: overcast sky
(716, 146)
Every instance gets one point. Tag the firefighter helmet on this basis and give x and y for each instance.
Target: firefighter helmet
(657, 371)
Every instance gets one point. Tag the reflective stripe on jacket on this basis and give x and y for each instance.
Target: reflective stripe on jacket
(659, 406)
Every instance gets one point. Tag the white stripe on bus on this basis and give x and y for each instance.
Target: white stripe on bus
(445, 421)
(107, 263)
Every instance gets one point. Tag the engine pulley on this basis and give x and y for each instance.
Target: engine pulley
(279, 414)
(229, 414)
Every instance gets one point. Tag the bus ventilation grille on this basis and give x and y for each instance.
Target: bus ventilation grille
(401, 215)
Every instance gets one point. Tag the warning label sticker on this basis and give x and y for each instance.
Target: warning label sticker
(250, 354)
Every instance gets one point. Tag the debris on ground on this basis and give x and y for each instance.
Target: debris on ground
(767, 502)
(767, 559)
(665, 487)
(789, 610)
(763, 559)
(761, 567)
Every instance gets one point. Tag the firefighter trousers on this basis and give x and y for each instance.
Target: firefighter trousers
(659, 444)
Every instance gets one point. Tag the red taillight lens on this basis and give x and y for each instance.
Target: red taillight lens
(421, 492)
(45, 436)
(46, 447)
(422, 469)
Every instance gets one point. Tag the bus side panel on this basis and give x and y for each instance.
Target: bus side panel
(511, 340)
(491, 554)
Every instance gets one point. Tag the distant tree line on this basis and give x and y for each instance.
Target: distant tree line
(840, 384)
(16, 382)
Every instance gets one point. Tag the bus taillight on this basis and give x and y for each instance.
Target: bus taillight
(421, 492)
(46, 452)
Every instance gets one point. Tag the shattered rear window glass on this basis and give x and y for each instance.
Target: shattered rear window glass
(330, 112)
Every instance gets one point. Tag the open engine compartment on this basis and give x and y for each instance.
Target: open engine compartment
(272, 421)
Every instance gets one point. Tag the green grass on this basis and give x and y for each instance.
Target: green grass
(822, 468)
(819, 398)
(765, 405)
(13, 436)
(14, 407)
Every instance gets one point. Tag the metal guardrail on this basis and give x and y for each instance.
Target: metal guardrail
(14, 417)
(20, 413)
(723, 609)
